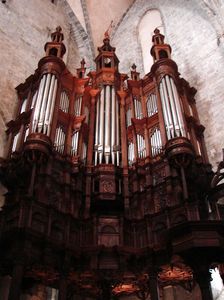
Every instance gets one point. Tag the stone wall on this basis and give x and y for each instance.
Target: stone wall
(191, 29)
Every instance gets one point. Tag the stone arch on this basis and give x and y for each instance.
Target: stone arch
(151, 19)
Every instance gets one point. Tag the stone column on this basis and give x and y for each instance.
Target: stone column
(17, 277)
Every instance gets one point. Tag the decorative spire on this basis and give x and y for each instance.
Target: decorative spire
(159, 49)
(134, 73)
(57, 36)
(56, 46)
(158, 38)
(81, 71)
(82, 62)
(107, 32)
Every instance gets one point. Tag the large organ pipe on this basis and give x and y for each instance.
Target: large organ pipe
(38, 103)
(49, 101)
(107, 125)
(15, 141)
(169, 109)
(173, 107)
(101, 127)
(34, 99)
(113, 125)
(165, 112)
(97, 129)
(23, 107)
(44, 103)
(177, 101)
(52, 106)
(117, 131)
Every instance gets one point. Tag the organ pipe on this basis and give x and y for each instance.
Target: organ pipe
(38, 103)
(156, 142)
(52, 107)
(101, 124)
(97, 130)
(44, 102)
(15, 141)
(151, 105)
(107, 125)
(64, 102)
(23, 107)
(117, 132)
(171, 108)
(179, 112)
(113, 113)
(49, 100)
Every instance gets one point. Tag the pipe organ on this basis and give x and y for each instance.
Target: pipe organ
(105, 159)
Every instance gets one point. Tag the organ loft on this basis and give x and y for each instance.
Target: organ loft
(110, 194)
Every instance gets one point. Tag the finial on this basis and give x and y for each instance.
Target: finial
(82, 62)
(107, 32)
(134, 67)
(156, 31)
(57, 36)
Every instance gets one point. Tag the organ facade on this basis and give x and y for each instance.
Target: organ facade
(108, 182)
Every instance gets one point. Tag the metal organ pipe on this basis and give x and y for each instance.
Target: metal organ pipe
(97, 130)
(107, 125)
(43, 104)
(51, 109)
(101, 124)
(156, 142)
(165, 112)
(107, 134)
(23, 107)
(168, 107)
(171, 108)
(49, 101)
(38, 103)
(64, 102)
(177, 103)
(117, 132)
(15, 141)
(113, 125)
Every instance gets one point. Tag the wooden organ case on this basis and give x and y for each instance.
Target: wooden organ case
(107, 181)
